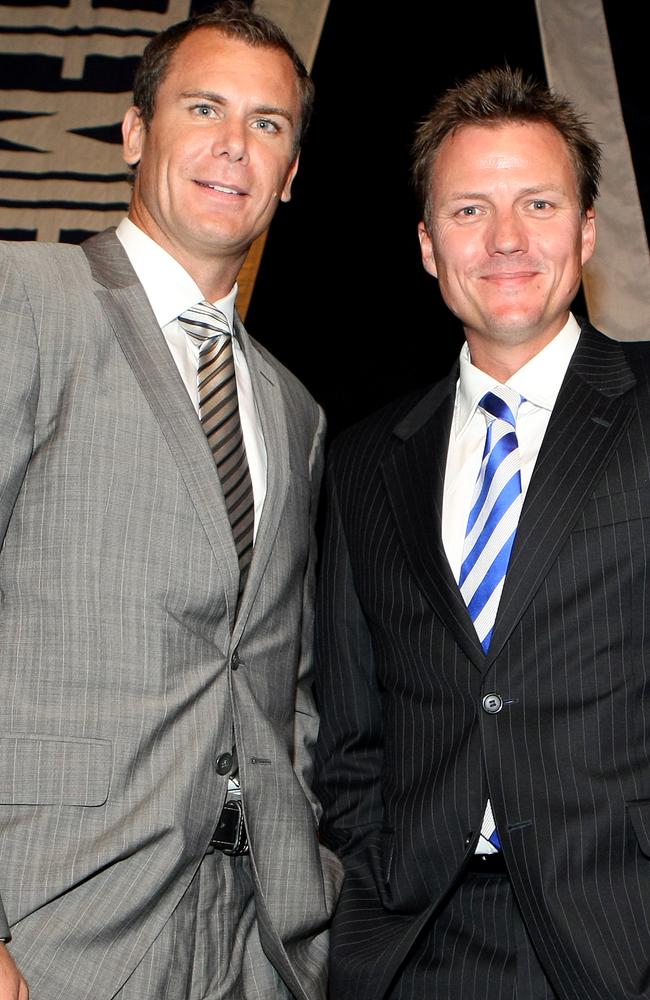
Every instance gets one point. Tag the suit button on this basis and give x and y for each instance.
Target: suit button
(492, 703)
(223, 763)
(235, 661)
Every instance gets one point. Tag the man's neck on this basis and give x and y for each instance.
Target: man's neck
(501, 360)
(215, 276)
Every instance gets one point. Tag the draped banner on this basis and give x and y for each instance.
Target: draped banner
(579, 63)
(66, 70)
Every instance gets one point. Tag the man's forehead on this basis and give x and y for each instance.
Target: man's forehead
(208, 39)
(495, 146)
(208, 54)
(503, 131)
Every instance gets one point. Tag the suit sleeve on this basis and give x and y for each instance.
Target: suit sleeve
(349, 754)
(305, 714)
(18, 401)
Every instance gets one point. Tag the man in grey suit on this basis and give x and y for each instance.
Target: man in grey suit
(157, 831)
(484, 645)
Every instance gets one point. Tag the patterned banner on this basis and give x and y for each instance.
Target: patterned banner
(66, 69)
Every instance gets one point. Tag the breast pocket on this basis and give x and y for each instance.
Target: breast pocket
(45, 770)
(629, 505)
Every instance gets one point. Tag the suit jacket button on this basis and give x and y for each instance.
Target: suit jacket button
(223, 763)
(492, 703)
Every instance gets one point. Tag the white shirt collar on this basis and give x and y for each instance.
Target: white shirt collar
(538, 381)
(167, 285)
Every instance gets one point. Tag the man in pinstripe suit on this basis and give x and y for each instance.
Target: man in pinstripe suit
(150, 700)
(487, 784)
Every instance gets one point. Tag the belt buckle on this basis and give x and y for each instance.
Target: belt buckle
(230, 836)
(486, 864)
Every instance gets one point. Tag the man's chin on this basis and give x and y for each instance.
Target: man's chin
(515, 328)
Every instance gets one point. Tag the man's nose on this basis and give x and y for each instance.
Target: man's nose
(507, 233)
(231, 140)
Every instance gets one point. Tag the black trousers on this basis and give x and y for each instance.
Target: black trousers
(477, 948)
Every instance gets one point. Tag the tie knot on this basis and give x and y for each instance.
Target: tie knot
(503, 403)
(204, 322)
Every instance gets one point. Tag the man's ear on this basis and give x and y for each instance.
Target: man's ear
(426, 249)
(588, 235)
(293, 170)
(132, 136)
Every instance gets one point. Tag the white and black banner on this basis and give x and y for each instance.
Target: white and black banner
(66, 71)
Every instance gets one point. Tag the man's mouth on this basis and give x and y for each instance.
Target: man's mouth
(504, 277)
(223, 188)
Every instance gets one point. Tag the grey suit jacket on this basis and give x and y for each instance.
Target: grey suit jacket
(119, 629)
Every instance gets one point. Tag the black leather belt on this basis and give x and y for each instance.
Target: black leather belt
(230, 835)
(487, 864)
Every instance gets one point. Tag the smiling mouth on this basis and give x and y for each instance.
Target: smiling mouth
(520, 272)
(223, 188)
(506, 276)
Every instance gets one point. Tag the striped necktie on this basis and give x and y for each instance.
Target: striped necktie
(219, 414)
(491, 529)
(493, 518)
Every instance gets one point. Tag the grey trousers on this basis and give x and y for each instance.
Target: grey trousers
(210, 948)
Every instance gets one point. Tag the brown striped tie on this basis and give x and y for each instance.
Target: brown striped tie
(219, 413)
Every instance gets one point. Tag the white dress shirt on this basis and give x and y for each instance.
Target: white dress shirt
(538, 382)
(171, 291)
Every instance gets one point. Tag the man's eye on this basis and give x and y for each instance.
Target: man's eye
(468, 211)
(203, 110)
(540, 204)
(265, 125)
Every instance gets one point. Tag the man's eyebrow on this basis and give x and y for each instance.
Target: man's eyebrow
(205, 95)
(533, 189)
(543, 188)
(260, 109)
(273, 110)
(466, 195)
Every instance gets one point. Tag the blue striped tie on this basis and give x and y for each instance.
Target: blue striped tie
(492, 522)
(491, 528)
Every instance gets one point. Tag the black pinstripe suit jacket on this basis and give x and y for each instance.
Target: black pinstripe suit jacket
(407, 755)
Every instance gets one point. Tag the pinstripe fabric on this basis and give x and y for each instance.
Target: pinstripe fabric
(476, 947)
(119, 587)
(407, 756)
(201, 956)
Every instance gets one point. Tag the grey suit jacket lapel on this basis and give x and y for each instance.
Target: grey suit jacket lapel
(135, 326)
(271, 409)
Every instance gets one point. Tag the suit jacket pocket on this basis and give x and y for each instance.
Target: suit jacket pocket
(629, 505)
(639, 813)
(37, 769)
